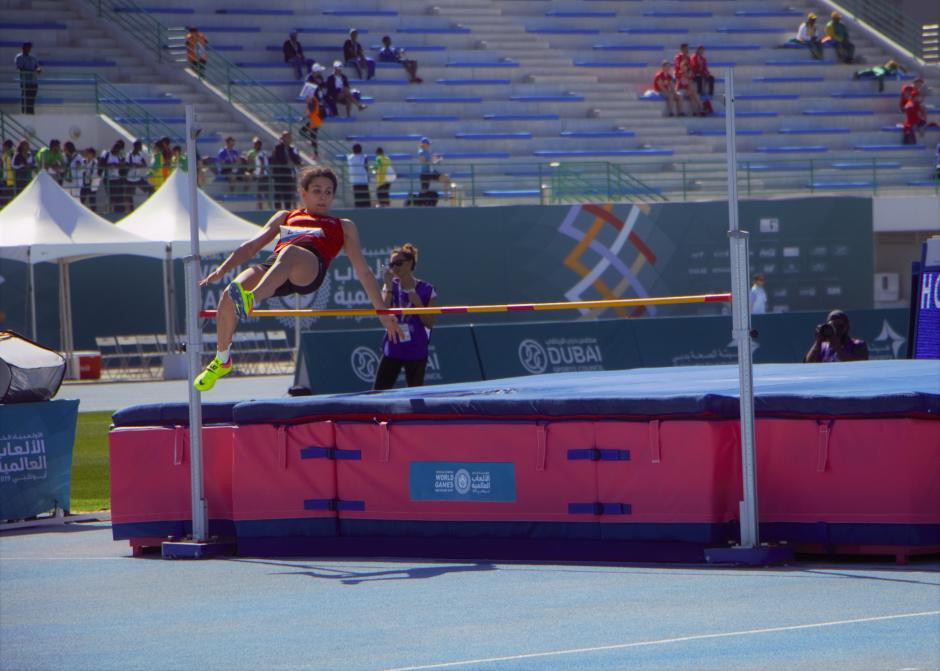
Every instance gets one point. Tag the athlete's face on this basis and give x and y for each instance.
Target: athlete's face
(318, 196)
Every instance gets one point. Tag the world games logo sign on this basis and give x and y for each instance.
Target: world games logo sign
(22, 457)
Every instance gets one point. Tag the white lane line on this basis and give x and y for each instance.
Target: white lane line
(664, 641)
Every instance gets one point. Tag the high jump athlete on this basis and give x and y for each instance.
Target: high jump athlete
(309, 240)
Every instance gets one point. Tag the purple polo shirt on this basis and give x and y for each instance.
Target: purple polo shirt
(828, 354)
(415, 344)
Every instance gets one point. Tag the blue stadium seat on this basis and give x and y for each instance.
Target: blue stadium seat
(563, 98)
(384, 138)
(790, 62)
(864, 165)
(838, 112)
(521, 135)
(575, 153)
(76, 63)
(816, 149)
(562, 31)
(839, 185)
(629, 47)
(610, 64)
(866, 94)
(755, 30)
(678, 15)
(329, 31)
(767, 96)
(412, 47)
(785, 80)
(31, 25)
(581, 14)
(433, 31)
(935, 183)
(482, 64)
(360, 12)
(155, 10)
(512, 193)
(813, 131)
(457, 100)
(521, 117)
(230, 29)
(474, 82)
(654, 31)
(889, 147)
(762, 13)
(740, 114)
(421, 117)
(597, 133)
(732, 47)
(255, 11)
(475, 154)
(721, 131)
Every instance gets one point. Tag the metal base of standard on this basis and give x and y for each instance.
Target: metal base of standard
(759, 556)
(196, 549)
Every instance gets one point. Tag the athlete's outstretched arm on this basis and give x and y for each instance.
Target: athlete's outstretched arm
(354, 251)
(248, 248)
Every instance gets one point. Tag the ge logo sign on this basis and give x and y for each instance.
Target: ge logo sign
(364, 363)
(532, 356)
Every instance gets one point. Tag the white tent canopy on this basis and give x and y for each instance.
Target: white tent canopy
(164, 217)
(45, 223)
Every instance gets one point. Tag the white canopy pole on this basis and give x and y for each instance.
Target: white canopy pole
(741, 328)
(31, 291)
(194, 340)
(169, 304)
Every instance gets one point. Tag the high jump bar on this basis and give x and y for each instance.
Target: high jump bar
(517, 307)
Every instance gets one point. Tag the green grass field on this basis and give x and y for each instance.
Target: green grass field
(90, 483)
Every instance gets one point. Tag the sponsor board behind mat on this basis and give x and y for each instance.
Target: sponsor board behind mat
(354, 357)
(36, 442)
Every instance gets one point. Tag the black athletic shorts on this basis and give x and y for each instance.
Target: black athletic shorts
(289, 287)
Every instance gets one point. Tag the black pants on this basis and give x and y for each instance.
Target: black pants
(700, 82)
(89, 198)
(361, 195)
(381, 194)
(284, 193)
(389, 368)
(28, 97)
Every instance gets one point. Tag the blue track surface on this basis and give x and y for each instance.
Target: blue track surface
(73, 599)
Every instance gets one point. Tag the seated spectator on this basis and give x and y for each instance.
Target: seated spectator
(338, 91)
(6, 173)
(23, 165)
(701, 73)
(294, 56)
(833, 342)
(879, 72)
(358, 166)
(197, 50)
(665, 85)
(353, 55)
(807, 36)
(52, 160)
(685, 90)
(390, 54)
(228, 161)
(837, 34)
(915, 119)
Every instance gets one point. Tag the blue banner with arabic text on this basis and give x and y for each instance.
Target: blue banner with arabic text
(36, 441)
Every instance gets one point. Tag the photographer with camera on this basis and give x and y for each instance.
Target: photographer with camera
(833, 342)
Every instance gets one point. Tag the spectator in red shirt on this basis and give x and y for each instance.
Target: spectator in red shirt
(701, 73)
(911, 92)
(682, 56)
(665, 86)
(685, 90)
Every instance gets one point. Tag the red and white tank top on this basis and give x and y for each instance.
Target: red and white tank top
(322, 232)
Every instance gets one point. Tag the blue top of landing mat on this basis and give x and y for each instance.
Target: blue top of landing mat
(858, 389)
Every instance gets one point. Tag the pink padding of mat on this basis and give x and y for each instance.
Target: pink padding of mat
(150, 473)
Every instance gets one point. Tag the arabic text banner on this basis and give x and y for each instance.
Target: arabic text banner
(36, 441)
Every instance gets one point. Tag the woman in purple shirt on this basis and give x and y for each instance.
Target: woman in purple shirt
(403, 290)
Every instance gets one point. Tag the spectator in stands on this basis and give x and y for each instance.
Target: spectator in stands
(178, 158)
(684, 89)
(229, 162)
(427, 161)
(701, 73)
(284, 160)
(6, 173)
(681, 57)
(87, 176)
(838, 35)
(259, 172)
(112, 167)
(294, 56)
(758, 297)
(29, 68)
(137, 169)
(915, 114)
(807, 36)
(911, 92)
(833, 342)
(311, 95)
(338, 91)
(23, 165)
(879, 72)
(161, 163)
(353, 55)
(52, 160)
(665, 86)
(401, 289)
(390, 54)
(69, 156)
(358, 166)
(197, 50)
(384, 176)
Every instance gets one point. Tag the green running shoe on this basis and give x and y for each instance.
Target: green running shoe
(216, 369)
(242, 299)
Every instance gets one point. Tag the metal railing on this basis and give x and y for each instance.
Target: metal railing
(11, 129)
(225, 78)
(887, 19)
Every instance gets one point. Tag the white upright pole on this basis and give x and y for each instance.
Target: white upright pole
(31, 290)
(741, 328)
(169, 305)
(194, 340)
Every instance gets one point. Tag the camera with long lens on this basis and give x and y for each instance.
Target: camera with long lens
(825, 331)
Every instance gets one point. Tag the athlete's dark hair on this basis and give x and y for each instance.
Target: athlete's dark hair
(311, 172)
